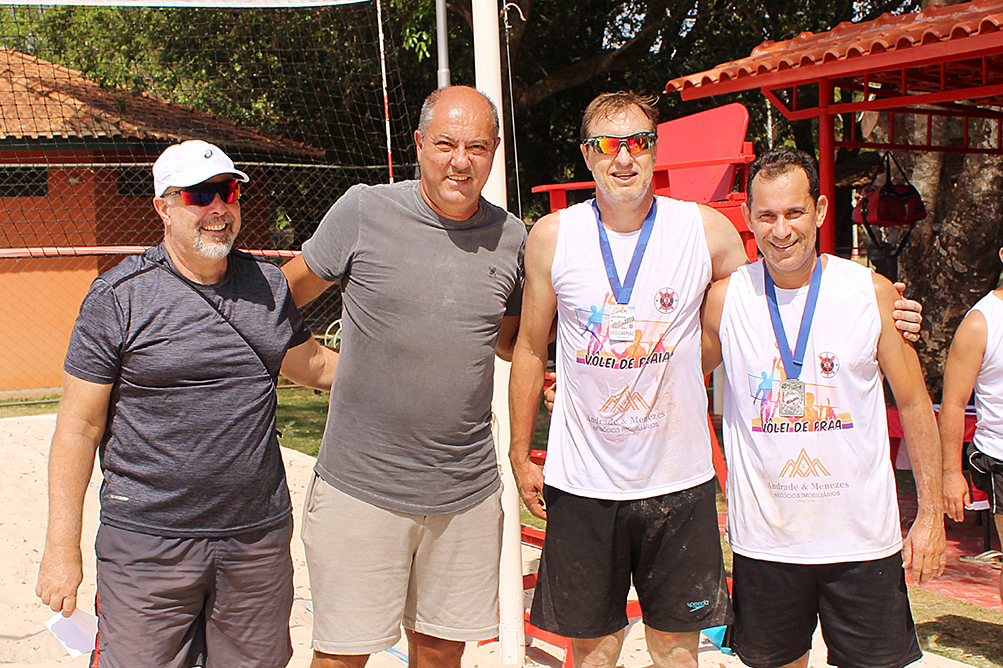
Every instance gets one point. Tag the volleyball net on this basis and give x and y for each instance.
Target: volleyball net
(304, 95)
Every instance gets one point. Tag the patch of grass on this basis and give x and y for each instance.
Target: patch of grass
(34, 406)
(302, 414)
(529, 518)
(958, 630)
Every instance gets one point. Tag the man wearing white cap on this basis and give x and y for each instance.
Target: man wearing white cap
(171, 372)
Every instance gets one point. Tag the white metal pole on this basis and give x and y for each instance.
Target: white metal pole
(511, 610)
(441, 45)
(511, 632)
(386, 102)
(487, 72)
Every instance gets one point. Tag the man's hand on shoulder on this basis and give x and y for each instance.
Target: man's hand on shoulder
(908, 315)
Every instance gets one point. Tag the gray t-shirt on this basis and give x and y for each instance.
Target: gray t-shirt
(409, 427)
(190, 445)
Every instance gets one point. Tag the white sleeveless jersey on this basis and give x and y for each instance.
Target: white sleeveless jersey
(630, 417)
(989, 382)
(817, 489)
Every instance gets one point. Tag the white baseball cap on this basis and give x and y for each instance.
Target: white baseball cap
(190, 163)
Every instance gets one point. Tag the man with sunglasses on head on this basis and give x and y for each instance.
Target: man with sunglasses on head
(170, 375)
(628, 489)
(403, 517)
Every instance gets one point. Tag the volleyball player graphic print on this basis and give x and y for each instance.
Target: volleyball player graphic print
(613, 337)
(821, 410)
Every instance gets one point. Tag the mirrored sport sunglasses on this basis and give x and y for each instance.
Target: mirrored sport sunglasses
(642, 141)
(204, 193)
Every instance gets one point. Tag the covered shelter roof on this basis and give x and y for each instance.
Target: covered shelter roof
(43, 100)
(942, 61)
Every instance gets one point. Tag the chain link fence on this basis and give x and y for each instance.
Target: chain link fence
(92, 95)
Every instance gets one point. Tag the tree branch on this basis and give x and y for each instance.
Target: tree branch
(602, 63)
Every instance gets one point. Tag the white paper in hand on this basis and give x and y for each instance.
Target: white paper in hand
(76, 633)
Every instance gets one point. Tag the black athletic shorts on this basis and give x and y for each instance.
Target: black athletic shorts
(987, 475)
(669, 545)
(863, 607)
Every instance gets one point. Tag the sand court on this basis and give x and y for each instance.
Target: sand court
(25, 642)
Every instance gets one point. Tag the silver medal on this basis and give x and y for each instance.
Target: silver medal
(792, 398)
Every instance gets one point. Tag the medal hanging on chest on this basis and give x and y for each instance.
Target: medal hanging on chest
(622, 323)
(622, 316)
(792, 391)
(791, 398)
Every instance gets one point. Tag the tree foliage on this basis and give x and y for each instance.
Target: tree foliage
(564, 54)
(265, 73)
(298, 74)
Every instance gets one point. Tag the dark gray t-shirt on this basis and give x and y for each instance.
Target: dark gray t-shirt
(409, 427)
(190, 446)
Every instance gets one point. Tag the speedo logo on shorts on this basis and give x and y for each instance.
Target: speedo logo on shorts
(697, 605)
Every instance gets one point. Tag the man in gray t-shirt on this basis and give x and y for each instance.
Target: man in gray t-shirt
(431, 279)
(171, 373)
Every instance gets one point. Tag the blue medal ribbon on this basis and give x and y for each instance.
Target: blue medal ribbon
(622, 292)
(793, 364)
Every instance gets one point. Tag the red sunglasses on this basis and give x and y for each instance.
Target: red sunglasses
(635, 143)
(204, 193)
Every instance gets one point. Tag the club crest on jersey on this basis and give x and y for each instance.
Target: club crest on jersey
(828, 365)
(665, 300)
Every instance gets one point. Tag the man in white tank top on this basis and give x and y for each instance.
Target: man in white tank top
(975, 362)
(619, 451)
(812, 511)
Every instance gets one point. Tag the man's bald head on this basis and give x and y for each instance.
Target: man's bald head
(456, 94)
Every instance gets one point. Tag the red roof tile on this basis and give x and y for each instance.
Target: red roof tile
(916, 40)
(39, 99)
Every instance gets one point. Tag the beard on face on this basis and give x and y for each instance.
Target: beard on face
(211, 249)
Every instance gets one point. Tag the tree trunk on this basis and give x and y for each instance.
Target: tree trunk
(952, 259)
